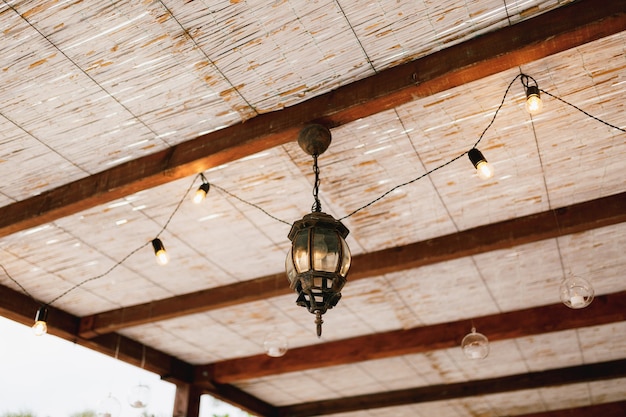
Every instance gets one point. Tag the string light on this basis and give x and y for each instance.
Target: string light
(41, 322)
(534, 105)
(202, 191)
(483, 168)
(159, 251)
(532, 91)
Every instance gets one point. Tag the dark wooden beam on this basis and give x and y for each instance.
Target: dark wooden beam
(240, 399)
(605, 309)
(563, 28)
(532, 228)
(22, 308)
(576, 374)
(616, 409)
(196, 302)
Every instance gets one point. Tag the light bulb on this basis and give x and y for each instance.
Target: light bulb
(109, 407)
(41, 327)
(138, 396)
(534, 105)
(320, 248)
(159, 251)
(275, 344)
(201, 193)
(475, 345)
(576, 292)
(483, 168)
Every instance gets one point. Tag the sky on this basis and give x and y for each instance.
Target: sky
(51, 377)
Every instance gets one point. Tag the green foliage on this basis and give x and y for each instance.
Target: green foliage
(19, 414)
(86, 413)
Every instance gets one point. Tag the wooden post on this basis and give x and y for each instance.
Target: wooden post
(187, 401)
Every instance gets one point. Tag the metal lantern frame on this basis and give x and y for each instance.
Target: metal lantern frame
(319, 259)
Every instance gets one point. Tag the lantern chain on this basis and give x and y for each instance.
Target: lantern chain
(317, 206)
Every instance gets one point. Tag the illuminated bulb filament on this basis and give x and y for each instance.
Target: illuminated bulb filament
(201, 194)
(41, 327)
(534, 105)
(483, 168)
(160, 252)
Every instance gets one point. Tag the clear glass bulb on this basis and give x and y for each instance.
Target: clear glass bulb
(576, 292)
(320, 248)
(109, 407)
(475, 345)
(40, 328)
(138, 396)
(484, 170)
(534, 105)
(275, 344)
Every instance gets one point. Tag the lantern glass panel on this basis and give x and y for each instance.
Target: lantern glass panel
(325, 250)
(346, 258)
(289, 267)
(300, 249)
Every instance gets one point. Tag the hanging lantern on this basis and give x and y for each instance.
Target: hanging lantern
(319, 259)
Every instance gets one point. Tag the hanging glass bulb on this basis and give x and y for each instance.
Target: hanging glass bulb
(483, 168)
(201, 193)
(534, 105)
(275, 344)
(576, 292)
(41, 326)
(475, 345)
(160, 252)
(138, 396)
(109, 407)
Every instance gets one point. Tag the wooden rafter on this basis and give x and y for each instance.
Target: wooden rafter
(532, 228)
(616, 409)
(21, 308)
(563, 28)
(551, 318)
(553, 377)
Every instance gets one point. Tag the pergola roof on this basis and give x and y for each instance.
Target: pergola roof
(111, 110)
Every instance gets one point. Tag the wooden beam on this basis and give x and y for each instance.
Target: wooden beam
(605, 309)
(196, 302)
(240, 399)
(21, 308)
(576, 374)
(616, 409)
(563, 28)
(532, 228)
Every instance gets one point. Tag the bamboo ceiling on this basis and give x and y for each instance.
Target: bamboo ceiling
(110, 110)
